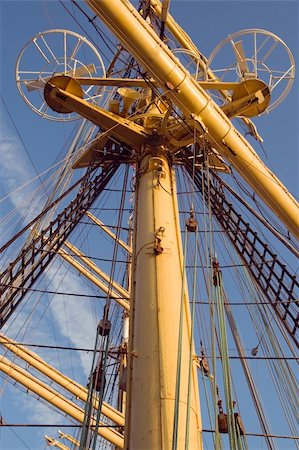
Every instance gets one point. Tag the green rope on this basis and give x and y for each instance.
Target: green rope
(218, 442)
(88, 404)
(209, 245)
(209, 409)
(101, 394)
(191, 345)
(179, 360)
(225, 362)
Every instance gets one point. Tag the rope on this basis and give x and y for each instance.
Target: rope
(225, 358)
(179, 359)
(208, 403)
(104, 342)
(89, 402)
(248, 290)
(101, 373)
(190, 371)
(208, 251)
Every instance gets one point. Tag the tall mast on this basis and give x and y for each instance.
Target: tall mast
(160, 322)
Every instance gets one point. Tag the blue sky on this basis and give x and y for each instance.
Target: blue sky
(207, 23)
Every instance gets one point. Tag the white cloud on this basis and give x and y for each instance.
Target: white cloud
(81, 323)
(80, 329)
(14, 170)
(39, 412)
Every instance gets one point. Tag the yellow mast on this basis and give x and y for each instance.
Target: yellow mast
(158, 289)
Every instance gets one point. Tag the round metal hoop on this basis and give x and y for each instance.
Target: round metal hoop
(56, 52)
(192, 62)
(258, 54)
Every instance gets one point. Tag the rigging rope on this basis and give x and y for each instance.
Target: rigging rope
(32, 222)
(209, 250)
(179, 356)
(190, 368)
(217, 282)
(239, 277)
(89, 437)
